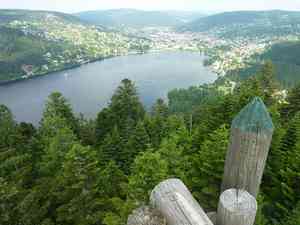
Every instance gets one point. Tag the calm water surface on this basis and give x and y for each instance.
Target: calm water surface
(90, 86)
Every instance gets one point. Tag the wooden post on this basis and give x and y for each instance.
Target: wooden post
(146, 215)
(213, 217)
(251, 135)
(177, 205)
(236, 207)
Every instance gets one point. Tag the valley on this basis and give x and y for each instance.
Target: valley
(61, 41)
(99, 108)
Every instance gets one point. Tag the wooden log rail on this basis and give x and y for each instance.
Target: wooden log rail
(146, 215)
(251, 135)
(236, 207)
(177, 205)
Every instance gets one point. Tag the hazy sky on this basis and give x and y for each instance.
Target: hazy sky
(197, 5)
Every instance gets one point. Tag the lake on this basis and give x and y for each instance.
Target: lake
(90, 87)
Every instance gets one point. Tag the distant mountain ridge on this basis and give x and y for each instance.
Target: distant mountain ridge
(247, 23)
(138, 18)
(39, 42)
(9, 15)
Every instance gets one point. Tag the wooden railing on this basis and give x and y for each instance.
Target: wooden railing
(172, 203)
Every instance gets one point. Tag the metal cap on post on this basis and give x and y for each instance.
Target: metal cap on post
(251, 135)
(236, 208)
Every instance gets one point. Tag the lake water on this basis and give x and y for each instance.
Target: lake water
(90, 87)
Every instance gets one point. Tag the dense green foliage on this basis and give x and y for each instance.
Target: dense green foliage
(71, 171)
(180, 100)
(285, 57)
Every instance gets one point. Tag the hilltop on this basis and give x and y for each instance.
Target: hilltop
(38, 42)
(138, 18)
(247, 23)
(9, 15)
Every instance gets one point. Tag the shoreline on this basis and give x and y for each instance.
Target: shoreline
(7, 82)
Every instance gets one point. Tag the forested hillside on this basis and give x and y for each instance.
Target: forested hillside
(38, 42)
(70, 170)
(286, 59)
(248, 24)
(7, 16)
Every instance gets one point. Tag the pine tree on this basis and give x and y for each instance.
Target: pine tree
(87, 132)
(55, 150)
(292, 135)
(291, 172)
(148, 170)
(260, 218)
(267, 78)
(156, 128)
(268, 82)
(82, 197)
(207, 170)
(123, 112)
(8, 152)
(160, 109)
(156, 123)
(210, 116)
(227, 109)
(177, 151)
(112, 146)
(174, 124)
(247, 91)
(120, 212)
(104, 124)
(7, 127)
(293, 103)
(285, 179)
(125, 106)
(294, 218)
(138, 142)
(9, 200)
(16, 165)
(39, 204)
(58, 106)
(270, 186)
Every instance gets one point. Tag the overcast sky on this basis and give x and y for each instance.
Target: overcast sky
(196, 5)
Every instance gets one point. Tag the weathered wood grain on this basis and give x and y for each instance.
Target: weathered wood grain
(236, 207)
(213, 217)
(251, 135)
(177, 205)
(146, 215)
